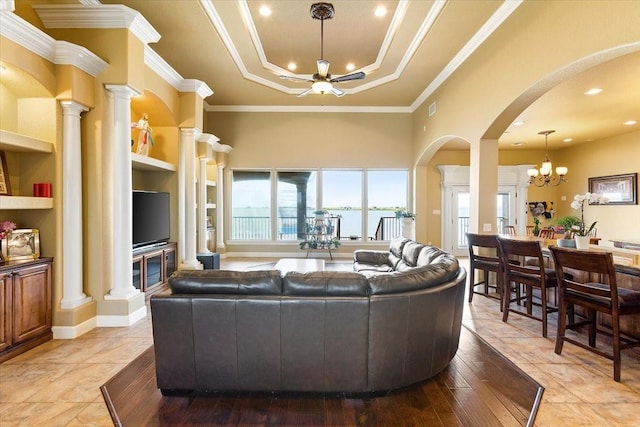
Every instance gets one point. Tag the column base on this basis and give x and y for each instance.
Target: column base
(190, 265)
(122, 294)
(73, 303)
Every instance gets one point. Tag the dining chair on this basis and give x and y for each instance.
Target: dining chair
(534, 278)
(547, 233)
(483, 256)
(509, 230)
(529, 230)
(600, 294)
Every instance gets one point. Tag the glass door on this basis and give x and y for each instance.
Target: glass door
(459, 223)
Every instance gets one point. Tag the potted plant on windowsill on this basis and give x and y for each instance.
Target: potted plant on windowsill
(406, 222)
(320, 213)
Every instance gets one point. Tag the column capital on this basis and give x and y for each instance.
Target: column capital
(193, 132)
(124, 91)
(72, 108)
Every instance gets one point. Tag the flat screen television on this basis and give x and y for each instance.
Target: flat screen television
(150, 218)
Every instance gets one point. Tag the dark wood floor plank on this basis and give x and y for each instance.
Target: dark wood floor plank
(478, 388)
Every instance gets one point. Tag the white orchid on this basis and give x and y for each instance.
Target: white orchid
(578, 203)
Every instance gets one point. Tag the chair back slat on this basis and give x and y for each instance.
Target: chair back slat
(476, 242)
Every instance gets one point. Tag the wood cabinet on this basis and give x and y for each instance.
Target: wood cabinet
(153, 266)
(25, 305)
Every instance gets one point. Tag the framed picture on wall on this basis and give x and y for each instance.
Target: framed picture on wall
(619, 189)
(21, 244)
(5, 186)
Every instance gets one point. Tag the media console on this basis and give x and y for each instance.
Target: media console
(152, 266)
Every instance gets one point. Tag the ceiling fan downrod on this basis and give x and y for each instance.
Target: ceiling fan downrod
(322, 11)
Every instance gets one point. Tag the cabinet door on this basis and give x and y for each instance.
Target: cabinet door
(153, 274)
(138, 272)
(5, 311)
(169, 263)
(31, 302)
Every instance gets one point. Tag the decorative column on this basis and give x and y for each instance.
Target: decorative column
(220, 209)
(202, 207)
(72, 267)
(118, 126)
(188, 198)
(483, 185)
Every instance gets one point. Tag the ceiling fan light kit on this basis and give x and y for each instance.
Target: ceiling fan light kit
(322, 82)
(544, 176)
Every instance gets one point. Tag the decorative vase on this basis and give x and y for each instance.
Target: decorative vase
(406, 227)
(582, 242)
(566, 243)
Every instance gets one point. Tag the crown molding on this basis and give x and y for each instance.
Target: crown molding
(304, 109)
(503, 12)
(78, 56)
(100, 16)
(197, 86)
(26, 35)
(7, 6)
(31, 38)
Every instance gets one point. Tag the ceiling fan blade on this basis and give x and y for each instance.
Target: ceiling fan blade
(305, 93)
(323, 67)
(337, 92)
(296, 79)
(355, 76)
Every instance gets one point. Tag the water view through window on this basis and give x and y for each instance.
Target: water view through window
(297, 197)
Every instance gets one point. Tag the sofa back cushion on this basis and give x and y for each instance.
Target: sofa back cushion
(410, 253)
(395, 250)
(430, 255)
(325, 283)
(416, 278)
(263, 282)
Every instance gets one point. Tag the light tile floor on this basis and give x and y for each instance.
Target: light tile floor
(57, 383)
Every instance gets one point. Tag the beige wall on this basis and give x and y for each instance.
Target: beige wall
(312, 140)
(611, 156)
(272, 140)
(540, 45)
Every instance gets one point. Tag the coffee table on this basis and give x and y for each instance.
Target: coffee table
(302, 265)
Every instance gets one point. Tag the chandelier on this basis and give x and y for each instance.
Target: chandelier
(544, 176)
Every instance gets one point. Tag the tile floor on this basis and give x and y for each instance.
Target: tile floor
(57, 383)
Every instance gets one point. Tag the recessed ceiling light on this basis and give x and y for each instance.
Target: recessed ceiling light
(292, 66)
(593, 91)
(630, 123)
(380, 11)
(567, 140)
(518, 123)
(517, 144)
(265, 11)
(350, 67)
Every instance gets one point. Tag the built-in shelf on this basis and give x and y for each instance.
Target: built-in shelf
(211, 183)
(23, 202)
(10, 141)
(211, 205)
(150, 164)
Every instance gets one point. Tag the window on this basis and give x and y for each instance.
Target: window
(342, 195)
(251, 205)
(296, 201)
(386, 193)
(362, 202)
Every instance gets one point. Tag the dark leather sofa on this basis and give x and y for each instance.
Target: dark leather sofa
(323, 331)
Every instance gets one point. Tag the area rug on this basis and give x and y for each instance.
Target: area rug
(479, 387)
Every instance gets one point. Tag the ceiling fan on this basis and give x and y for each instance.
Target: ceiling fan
(321, 81)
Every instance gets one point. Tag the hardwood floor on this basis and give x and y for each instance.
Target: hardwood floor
(58, 383)
(480, 387)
